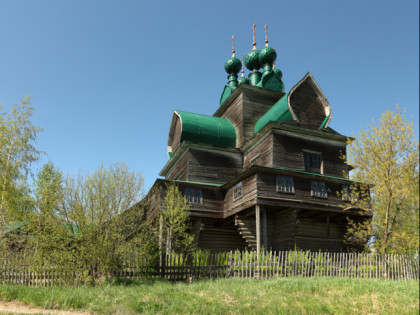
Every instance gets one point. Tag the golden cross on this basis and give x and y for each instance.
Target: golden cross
(233, 45)
(266, 40)
(254, 44)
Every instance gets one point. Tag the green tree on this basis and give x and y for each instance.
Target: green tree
(45, 222)
(17, 153)
(175, 222)
(84, 222)
(386, 155)
(48, 189)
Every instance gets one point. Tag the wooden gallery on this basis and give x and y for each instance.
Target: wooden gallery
(265, 170)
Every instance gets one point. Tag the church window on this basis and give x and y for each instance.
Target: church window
(347, 193)
(312, 162)
(237, 191)
(285, 184)
(319, 189)
(194, 195)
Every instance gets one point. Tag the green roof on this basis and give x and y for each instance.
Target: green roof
(278, 112)
(206, 129)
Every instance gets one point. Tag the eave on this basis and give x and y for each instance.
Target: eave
(279, 170)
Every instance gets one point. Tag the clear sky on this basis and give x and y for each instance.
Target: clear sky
(105, 76)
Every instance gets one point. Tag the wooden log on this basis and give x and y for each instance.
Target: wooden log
(406, 271)
(340, 264)
(404, 268)
(410, 275)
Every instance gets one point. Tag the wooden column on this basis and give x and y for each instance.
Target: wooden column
(264, 229)
(257, 229)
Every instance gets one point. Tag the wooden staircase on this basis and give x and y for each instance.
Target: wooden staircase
(246, 229)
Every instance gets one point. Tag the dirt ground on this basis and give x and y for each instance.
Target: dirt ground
(15, 307)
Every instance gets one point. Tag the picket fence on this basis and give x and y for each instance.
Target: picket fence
(267, 265)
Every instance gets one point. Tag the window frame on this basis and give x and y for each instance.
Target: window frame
(287, 183)
(346, 189)
(191, 196)
(310, 168)
(319, 192)
(237, 191)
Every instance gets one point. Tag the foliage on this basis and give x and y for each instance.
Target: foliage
(49, 189)
(82, 223)
(386, 155)
(174, 221)
(17, 153)
(294, 295)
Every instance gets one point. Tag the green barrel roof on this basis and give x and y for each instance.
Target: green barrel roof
(278, 112)
(207, 129)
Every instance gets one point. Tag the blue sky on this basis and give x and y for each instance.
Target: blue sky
(105, 76)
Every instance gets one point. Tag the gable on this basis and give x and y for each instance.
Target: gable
(309, 104)
(305, 103)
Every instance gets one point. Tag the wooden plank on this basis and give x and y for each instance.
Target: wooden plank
(264, 229)
(257, 229)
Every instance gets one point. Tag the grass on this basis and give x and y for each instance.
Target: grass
(229, 296)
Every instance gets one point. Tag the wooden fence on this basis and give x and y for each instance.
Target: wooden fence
(267, 265)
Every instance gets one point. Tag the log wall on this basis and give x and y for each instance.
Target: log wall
(261, 154)
(267, 189)
(220, 236)
(213, 166)
(288, 153)
(249, 194)
(307, 106)
(285, 225)
(212, 205)
(180, 170)
(246, 109)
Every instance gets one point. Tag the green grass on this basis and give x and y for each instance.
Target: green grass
(229, 296)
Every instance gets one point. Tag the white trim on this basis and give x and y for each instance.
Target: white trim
(172, 130)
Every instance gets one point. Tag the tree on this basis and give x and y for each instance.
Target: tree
(17, 153)
(48, 189)
(174, 221)
(386, 155)
(83, 222)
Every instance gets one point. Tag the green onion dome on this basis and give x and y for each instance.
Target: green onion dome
(277, 72)
(252, 60)
(233, 66)
(267, 55)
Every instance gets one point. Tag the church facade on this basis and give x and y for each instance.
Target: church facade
(265, 171)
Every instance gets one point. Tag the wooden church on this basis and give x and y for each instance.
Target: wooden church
(265, 171)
